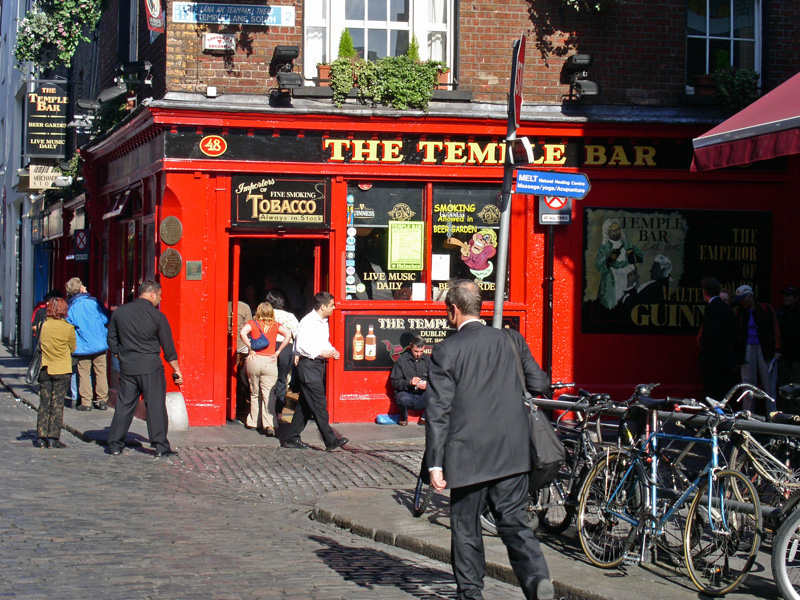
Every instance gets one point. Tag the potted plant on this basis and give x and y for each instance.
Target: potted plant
(343, 70)
(324, 74)
(736, 88)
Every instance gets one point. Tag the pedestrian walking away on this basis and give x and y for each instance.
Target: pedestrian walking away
(57, 343)
(312, 348)
(137, 334)
(477, 443)
(89, 318)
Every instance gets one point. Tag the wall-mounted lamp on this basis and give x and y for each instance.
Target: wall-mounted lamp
(282, 65)
(575, 74)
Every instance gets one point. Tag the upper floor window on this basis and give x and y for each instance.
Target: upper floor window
(378, 27)
(722, 32)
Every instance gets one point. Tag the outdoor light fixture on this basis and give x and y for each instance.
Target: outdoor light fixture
(575, 74)
(282, 65)
(112, 93)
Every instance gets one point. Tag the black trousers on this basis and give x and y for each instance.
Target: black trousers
(508, 499)
(153, 388)
(284, 368)
(52, 391)
(311, 376)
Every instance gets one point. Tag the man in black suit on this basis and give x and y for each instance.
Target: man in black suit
(478, 444)
(717, 360)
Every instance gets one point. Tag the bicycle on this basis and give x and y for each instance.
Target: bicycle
(558, 503)
(622, 506)
(786, 557)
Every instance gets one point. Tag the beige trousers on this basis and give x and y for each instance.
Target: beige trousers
(262, 371)
(87, 363)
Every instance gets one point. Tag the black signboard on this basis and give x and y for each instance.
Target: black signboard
(373, 342)
(267, 201)
(387, 149)
(643, 267)
(46, 123)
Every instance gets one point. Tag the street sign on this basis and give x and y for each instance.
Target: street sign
(81, 245)
(568, 185)
(555, 210)
(517, 74)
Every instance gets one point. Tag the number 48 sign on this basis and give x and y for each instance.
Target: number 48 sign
(213, 145)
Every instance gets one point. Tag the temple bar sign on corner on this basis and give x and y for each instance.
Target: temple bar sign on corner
(552, 183)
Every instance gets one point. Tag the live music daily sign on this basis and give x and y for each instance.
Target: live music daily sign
(550, 183)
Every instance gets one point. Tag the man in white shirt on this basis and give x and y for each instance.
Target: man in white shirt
(312, 349)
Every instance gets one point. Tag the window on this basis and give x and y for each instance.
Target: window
(379, 28)
(722, 32)
(404, 246)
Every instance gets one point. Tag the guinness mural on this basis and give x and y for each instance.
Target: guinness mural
(266, 201)
(642, 268)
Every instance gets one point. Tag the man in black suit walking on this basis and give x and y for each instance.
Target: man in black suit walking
(478, 444)
(717, 360)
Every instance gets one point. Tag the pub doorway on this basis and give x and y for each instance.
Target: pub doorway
(295, 266)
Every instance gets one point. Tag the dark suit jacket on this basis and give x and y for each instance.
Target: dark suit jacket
(477, 425)
(718, 339)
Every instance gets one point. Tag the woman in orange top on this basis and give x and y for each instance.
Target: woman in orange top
(262, 367)
(58, 344)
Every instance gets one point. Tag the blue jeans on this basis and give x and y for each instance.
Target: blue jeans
(407, 401)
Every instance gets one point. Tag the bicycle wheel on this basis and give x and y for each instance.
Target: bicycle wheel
(786, 557)
(722, 533)
(489, 525)
(609, 493)
(556, 516)
(422, 496)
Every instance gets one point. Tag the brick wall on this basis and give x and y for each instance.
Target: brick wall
(188, 69)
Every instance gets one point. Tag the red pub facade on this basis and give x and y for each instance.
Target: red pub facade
(384, 208)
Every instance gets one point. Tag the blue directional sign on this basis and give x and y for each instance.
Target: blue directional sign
(551, 183)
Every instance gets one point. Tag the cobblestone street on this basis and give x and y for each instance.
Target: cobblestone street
(211, 523)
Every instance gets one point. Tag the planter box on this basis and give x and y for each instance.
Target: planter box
(324, 75)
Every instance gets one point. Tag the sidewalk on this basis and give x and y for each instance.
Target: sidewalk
(384, 514)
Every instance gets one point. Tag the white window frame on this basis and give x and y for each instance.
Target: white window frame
(328, 15)
(708, 37)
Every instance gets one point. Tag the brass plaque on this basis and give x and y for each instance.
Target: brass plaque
(194, 270)
(170, 262)
(171, 230)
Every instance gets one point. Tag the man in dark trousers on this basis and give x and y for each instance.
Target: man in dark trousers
(478, 443)
(137, 334)
(409, 378)
(312, 349)
(717, 360)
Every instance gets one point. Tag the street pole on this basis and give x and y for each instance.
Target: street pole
(514, 106)
(549, 277)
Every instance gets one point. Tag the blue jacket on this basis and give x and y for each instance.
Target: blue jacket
(89, 318)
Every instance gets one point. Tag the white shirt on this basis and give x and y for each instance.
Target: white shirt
(313, 336)
(288, 320)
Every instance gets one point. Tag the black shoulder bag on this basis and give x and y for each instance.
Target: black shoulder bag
(32, 374)
(547, 452)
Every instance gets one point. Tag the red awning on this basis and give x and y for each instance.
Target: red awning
(768, 128)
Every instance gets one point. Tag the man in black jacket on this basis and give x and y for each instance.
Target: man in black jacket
(409, 379)
(478, 443)
(717, 360)
(137, 333)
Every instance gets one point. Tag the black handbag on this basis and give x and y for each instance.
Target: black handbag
(547, 452)
(259, 343)
(35, 365)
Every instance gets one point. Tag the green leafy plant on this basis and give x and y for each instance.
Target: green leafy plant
(736, 88)
(397, 81)
(413, 49)
(342, 77)
(587, 5)
(50, 32)
(346, 48)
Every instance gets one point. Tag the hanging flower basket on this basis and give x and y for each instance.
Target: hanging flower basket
(50, 32)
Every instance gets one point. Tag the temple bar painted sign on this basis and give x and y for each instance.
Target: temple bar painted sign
(233, 14)
(315, 147)
(46, 122)
(642, 267)
(267, 201)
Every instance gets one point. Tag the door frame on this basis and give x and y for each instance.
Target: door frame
(322, 270)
